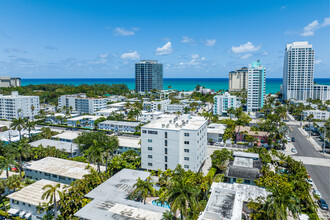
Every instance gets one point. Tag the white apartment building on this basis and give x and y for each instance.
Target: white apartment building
(82, 104)
(86, 121)
(150, 116)
(15, 106)
(119, 126)
(224, 102)
(298, 71)
(172, 108)
(256, 87)
(160, 105)
(321, 92)
(318, 114)
(174, 140)
(238, 80)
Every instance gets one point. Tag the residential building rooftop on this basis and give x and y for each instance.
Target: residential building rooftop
(125, 141)
(125, 123)
(216, 128)
(67, 146)
(60, 167)
(32, 193)
(67, 135)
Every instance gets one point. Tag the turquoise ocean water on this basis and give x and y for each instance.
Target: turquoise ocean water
(272, 84)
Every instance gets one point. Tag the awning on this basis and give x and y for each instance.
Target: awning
(21, 214)
(13, 211)
(27, 215)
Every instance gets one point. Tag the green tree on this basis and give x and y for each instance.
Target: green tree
(94, 154)
(18, 124)
(13, 182)
(52, 193)
(143, 188)
(7, 162)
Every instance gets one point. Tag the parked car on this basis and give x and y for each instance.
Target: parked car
(293, 139)
(310, 181)
(314, 133)
(323, 205)
(317, 193)
(217, 144)
(293, 150)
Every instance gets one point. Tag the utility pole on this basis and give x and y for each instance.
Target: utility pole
(324, 136)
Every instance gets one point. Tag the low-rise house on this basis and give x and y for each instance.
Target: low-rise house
(116, 98)
(86, 121)
(128, 143)
(106, 112)
(215, 132)
(172, 108)
(150, 116)
(110, 200)
(119, 126)
(13, 135)
(24, 203)
(188, 101)
(229, 201)
(118, 106)
(67, 136)
(70, 148)
(317, 114)
(261, 136)
(245, 168)
(56, 169)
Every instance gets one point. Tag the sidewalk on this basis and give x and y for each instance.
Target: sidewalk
(312, 141)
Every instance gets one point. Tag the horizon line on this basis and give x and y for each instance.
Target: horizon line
(163, 78)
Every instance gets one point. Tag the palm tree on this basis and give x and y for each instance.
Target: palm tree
(32, 110)
(2, 190)
(46, 132)
(13, 182)
(110, 148)
(18, 124)
(231, 111)
(181, 195)
(95, 154)
(52, 191)
(143, 189)
(7, 162)
(19, 151)
(29, 126)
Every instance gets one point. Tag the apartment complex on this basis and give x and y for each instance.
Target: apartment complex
(238, 80)
(148, 76)
(82, 104)
(224, 102)
(6, 81)
(119, 126)
(163, 106)
(15, 106)
(174, 140)
(256, 86)
(317, 114)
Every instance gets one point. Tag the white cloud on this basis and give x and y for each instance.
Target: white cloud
(265, 53)
(123, 32)
(164, 50)
(318, 61)
(246, 56)
(196, 60)
(104, 55)
(210, 42)
(194, 56)
(310, 29)
(243, 48)
(186, 39)
(131, 56)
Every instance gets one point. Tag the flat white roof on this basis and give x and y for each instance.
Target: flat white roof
(216, 128)
(243, 162)
(172, 122)
(129, 141)
(68, 135)
(57, 144)
(124, 123)
(89, 117)
(245, 154)
(108, 110)
(32, 193)
(60, 167)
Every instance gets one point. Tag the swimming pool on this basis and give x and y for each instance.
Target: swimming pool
(154, 202)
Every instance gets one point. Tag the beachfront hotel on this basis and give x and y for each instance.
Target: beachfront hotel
(256, 86)
(238, 80)
(148, 76)
(174, 140)
(15, 106)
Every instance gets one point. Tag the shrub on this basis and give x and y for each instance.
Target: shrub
(212, 172)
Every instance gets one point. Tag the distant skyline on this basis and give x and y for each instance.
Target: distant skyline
(193, 39)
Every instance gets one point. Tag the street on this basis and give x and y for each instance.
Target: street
(319, 174)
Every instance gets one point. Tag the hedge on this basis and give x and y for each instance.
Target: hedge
(212, 172)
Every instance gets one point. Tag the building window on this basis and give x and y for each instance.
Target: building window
(165, 143)
(47, 174)
(165, 159)
(152, 132)
(165, 150)
(186, 166)
(165, 166)
(165, 134)
(150, 164)
(186, 158)
(55, 176)
(149, 148)
(186, 134)
(186, 142)
(62, 178)
(149, 156)
(149, 140)
(247, 181)
(186, 150)
(144, 131)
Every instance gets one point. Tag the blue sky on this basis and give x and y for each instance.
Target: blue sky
(193, 39)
